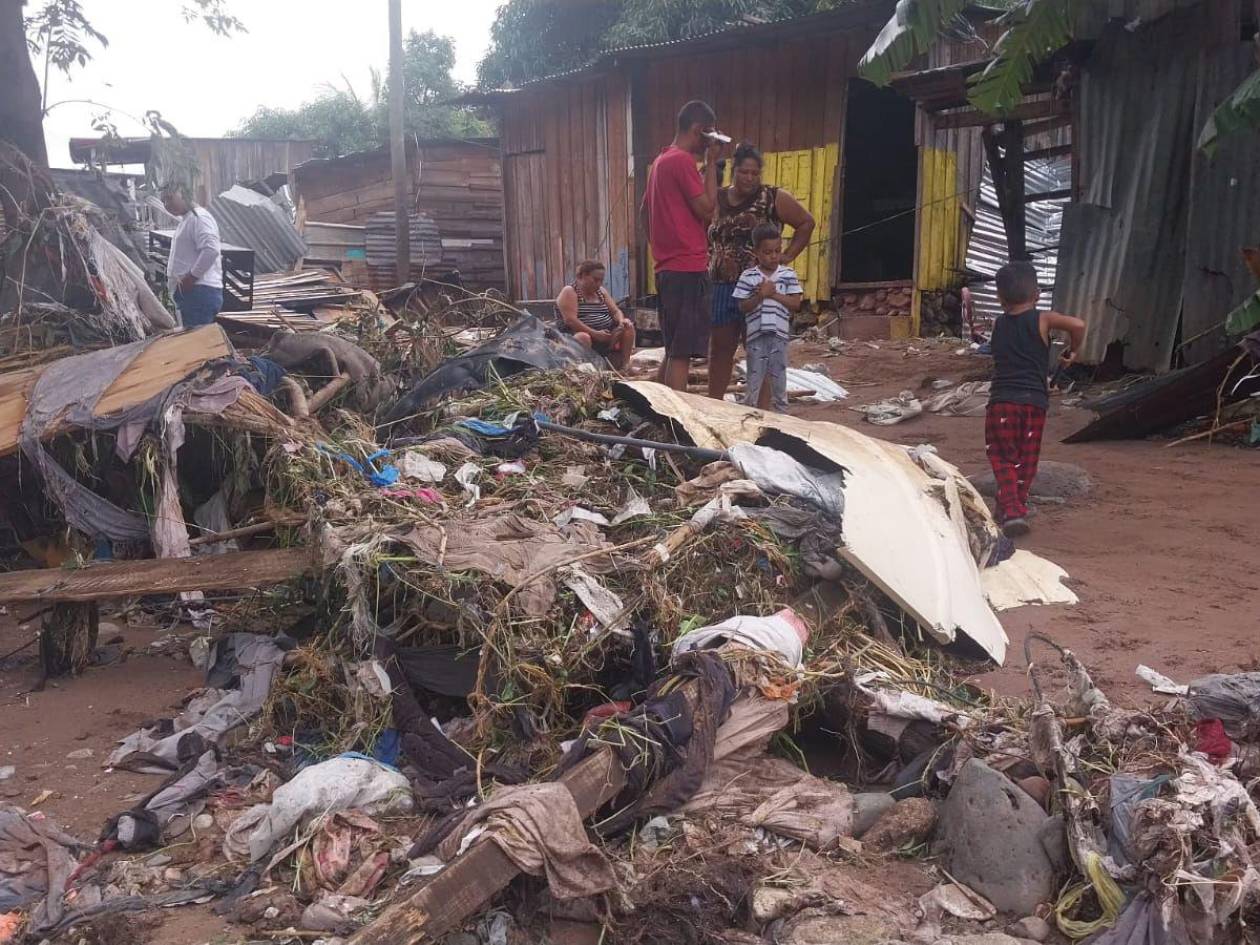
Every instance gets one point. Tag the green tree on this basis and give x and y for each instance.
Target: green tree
(1032, 31)
(342, 121)
(531, 39)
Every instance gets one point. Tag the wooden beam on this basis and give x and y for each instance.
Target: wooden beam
(1057, 151)
(106, 579)
(1050, 124)
(1049, 195)
(977, 119)
(471, 881)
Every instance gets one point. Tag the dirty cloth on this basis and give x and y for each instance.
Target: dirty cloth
(341, 783)
(891, 410)
(263, 374)
(507, 548)
(443, 774)
(36, 860)
(705, 485)
(777, 473)
(759, 633)
(818, 537)
(69, 390)
(1234, 698)
(1144, 923)
(539, 828)
(206, 719)
(671, 748)
(968, 399)
(745, 784)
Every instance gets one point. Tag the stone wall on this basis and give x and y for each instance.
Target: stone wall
(875, 298)
(940, 313)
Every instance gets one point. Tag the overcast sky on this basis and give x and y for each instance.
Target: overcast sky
(205, 85)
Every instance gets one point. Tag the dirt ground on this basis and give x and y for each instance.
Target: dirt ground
(1161, 555)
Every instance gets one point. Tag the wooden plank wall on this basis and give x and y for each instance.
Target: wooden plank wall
(569, 191)
(223, 162)
(458, 184)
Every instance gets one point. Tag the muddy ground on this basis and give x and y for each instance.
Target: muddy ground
(1161, 554)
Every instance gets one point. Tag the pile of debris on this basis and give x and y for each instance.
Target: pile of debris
(691, 670)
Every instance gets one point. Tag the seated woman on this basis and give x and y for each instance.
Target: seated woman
(589, 313)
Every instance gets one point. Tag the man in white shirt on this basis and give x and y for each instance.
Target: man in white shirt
(194, 268)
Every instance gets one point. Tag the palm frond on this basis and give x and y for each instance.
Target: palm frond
(914, 26)
(1034, 30)
(1238, 113)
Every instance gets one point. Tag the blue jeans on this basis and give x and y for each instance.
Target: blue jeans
(198, 305)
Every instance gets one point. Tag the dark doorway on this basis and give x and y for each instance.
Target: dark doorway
(880, 178)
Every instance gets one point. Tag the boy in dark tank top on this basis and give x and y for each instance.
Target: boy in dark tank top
(1020, 393)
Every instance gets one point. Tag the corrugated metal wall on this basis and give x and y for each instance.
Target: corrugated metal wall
(1224, 211)
(1131, 252)
(569, 192)
(226, 161)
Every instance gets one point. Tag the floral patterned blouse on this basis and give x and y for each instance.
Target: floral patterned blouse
(730, 235)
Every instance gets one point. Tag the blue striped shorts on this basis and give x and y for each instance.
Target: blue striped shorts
(723, 309)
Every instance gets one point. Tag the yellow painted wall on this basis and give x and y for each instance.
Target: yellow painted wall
(809, 176)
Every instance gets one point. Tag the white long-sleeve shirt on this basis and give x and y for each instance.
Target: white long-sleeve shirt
(195, 249)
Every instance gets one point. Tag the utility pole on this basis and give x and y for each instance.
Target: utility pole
(397, 147)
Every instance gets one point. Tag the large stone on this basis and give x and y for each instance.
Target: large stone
(990, 837)
(1031, 927)
(815, 929)
(868, 807)
(1060, 481)
(909, 822)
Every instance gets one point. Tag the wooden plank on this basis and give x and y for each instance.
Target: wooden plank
(1029, 110)
(165, 362)
(241, 569)
(471, 881)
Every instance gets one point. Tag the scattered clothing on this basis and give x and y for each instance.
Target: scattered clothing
(539, 828)
(666, 743)
(968, 399)
(1012, 436)
(36, 861)
(263, 374)
(776, 633)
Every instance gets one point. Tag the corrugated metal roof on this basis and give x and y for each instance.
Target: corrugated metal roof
(249, 219)
(1123, 248)
(849, 13)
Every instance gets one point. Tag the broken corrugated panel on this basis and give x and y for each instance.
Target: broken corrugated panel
(1224, 211)
(987, 252)
(1121, 264)
(249, 219)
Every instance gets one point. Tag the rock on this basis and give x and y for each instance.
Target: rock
(203, 821)
(867, 304)
(768, 903)
(1038, 788)
(1032, 927)
(173, 875)
(1054, 481)
(908, 822)
(7, 772)
(813, 929)
(991, 839)
(80, 754)
(868, 807)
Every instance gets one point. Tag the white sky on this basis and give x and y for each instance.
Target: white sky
(205, 85)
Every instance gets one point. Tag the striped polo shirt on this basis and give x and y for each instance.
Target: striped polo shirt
(770, 315)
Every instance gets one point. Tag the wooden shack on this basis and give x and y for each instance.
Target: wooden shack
(455, 183)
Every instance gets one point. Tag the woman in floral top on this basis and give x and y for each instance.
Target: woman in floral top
(740, 209)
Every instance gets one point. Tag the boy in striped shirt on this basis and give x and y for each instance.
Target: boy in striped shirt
(767, 294)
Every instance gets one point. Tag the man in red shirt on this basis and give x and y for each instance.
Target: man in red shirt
(679, 204)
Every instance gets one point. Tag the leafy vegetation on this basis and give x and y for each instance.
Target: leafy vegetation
(343, 121)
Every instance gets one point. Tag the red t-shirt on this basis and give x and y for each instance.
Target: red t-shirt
(679, 240)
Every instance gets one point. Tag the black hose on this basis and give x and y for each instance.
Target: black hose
(697, 452)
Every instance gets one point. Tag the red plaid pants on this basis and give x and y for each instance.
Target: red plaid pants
(1012, 434)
